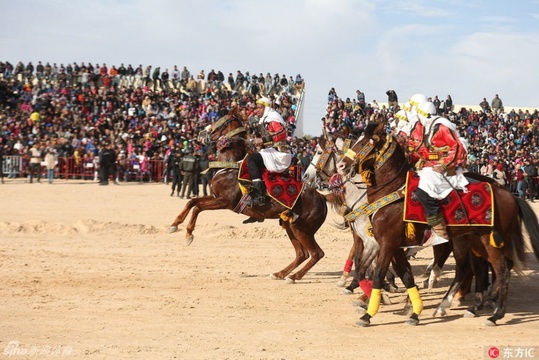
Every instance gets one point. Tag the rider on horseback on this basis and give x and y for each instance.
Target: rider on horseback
(440, 155)
(275, 156)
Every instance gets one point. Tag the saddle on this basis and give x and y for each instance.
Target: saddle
(472, 208)
(281, 187)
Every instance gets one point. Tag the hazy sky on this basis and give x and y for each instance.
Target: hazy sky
(468, 49)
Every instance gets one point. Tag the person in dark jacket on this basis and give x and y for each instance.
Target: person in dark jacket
(107, 160)
(188, 166)
(174, 168)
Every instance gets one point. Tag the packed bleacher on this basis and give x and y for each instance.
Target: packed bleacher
(496, 138)
(76, 110)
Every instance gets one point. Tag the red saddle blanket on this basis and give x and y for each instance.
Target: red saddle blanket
(475, 207)
(281, 187)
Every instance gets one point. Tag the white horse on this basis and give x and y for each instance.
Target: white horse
(353, 197)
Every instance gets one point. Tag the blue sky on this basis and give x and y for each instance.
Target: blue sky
(468, 49)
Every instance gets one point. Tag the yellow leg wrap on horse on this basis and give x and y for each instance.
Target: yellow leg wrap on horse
(417, 304)
(374, 302)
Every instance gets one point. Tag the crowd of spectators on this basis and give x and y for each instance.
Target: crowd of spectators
(497, 138)
(79, 109)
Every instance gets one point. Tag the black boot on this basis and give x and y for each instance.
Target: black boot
(258, 192)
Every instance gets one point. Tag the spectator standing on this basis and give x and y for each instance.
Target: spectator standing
(175, 159)
(496, 104)
(155, 78)
(484, 105)
(188, 166)
(392, 99)
(530, 173)
(35, 162)
(107, 159)
(50, 164)
(304, 162)
(204, 172)
(360, 97)
(448, 106)
(184, 76)
(437, 104)
(521, 183)
(499, 175)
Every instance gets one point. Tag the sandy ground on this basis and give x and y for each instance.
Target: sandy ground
(91, 272)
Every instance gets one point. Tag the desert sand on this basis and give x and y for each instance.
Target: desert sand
(91, 272)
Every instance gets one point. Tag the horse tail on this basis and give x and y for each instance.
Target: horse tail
(529, 218)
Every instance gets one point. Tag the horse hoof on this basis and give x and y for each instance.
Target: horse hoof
(341, 283)
(289, 280)
(439, 312)
(172, 229)
(363, 323)
(361, 310)
(273, 277)
(489, 322)
(469, 314)
(412, 322)
(189, 240)
(385, 299)
(359, 303)
(347, 292)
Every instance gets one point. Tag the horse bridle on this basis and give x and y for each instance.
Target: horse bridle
(220, 126)
(380, 158)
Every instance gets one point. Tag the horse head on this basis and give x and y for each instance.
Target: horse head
(329, 150)
(229, 125)
(364, 154)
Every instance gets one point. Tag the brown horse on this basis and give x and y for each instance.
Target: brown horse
(386, 165)
(300, 223)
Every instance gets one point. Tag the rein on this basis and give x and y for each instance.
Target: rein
(221, 125)
(380, 159)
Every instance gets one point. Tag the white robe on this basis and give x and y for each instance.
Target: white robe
(438, 186)
(276, 161)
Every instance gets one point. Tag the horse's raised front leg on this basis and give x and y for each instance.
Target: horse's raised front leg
(183, 214)
(204, 203)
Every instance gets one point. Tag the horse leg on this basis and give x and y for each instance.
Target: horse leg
(347, 266)
(462, 270)
(402, 267)
(480, 269)
(380, 272)
(500, 286)
(301, 256)
(302, 234)
(183, 214)
(203, 203)
(441, 253)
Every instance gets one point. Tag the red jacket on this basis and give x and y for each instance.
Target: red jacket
(444, 148)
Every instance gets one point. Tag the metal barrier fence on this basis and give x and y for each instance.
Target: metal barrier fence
(69, 168)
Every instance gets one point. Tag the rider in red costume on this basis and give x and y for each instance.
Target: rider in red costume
(441, 156)
(275, 157)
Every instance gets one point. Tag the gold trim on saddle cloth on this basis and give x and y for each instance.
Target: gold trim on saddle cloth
(369, 209)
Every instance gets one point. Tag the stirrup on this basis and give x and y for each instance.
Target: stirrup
(435, 240)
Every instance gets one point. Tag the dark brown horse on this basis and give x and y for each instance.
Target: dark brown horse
(375, 154)
(300, 224)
